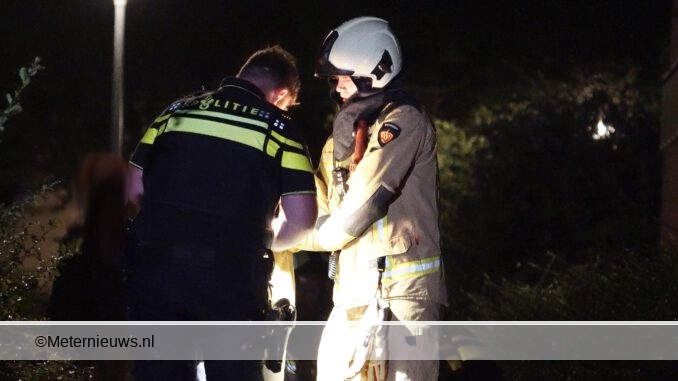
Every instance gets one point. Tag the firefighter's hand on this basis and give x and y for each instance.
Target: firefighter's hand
(374, 370)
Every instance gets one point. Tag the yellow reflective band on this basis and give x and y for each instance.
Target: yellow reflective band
(287, 141)
(379, 232)
(293, 160)
(162, 118)
(221, 130)
(410, 269)
(219, 115)
(272, 148)
(149, 136)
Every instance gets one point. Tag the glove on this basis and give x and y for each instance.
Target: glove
(374, 370)
(375, 367)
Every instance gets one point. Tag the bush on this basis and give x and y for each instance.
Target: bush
(615, 286)
(20, 294)
(625, 286)
(24, 268)
(527, 173)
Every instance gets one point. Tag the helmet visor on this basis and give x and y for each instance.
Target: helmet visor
(323, 67)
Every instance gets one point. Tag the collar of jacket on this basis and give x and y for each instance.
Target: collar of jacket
(244, 84)
(360, 108)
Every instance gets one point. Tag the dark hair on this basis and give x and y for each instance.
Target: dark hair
(272, 68)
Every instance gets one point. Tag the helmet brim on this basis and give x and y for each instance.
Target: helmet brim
(323, 67)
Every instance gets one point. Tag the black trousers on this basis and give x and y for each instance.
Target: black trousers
(195, 282)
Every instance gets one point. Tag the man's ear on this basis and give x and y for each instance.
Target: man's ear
(276, 95)
(281, 99)
(281, 94)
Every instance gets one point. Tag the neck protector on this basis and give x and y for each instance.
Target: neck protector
(360, 108)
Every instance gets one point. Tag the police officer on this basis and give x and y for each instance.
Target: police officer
(212, 168)
(377, 185)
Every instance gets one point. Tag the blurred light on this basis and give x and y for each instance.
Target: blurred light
(117, 115)
(602, 131)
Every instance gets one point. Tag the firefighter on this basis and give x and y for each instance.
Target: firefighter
(378, 206)
(212, 168)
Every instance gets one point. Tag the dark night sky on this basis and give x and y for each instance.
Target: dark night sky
(175, 46)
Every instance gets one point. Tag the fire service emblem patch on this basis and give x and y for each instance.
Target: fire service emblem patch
(387, 133)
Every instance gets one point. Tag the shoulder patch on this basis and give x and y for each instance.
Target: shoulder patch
(387, 133)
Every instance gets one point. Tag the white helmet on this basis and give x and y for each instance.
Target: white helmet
(364, 48)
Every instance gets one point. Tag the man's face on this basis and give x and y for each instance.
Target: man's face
(345, 86)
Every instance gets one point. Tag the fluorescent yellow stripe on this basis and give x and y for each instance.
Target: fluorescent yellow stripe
(213, 114)
(272, 148)
(149, 136)
(414, 263)
(379, 230)
(413, 268)
(293, 160)
(221, 130)
(162, 118)
(287, 141)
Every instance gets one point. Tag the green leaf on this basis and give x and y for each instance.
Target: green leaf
(23, 74)
(9, 98)
(16, 109)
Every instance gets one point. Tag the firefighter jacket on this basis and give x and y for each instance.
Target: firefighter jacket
(390, 209)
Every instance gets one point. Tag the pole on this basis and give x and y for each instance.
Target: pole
(117, 117)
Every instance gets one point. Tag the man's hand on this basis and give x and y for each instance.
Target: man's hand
(278, 222)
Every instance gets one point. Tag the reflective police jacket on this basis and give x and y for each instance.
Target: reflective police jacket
(390, 209)
(215, 166)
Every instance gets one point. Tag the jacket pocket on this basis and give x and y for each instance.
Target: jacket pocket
(394, 246)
